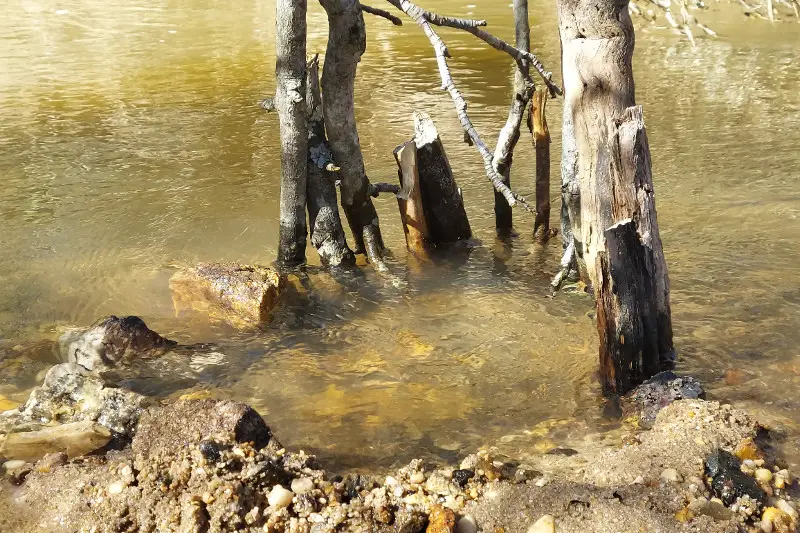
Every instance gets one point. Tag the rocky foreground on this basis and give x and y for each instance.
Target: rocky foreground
(83, 455)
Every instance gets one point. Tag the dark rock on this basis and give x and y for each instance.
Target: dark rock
(409, 521)
(70, 394)
(658, 392)
(186, 422)
(566, 452)
(462, 477)
(210, 450)
(110, 342)
(305, 504)
(728, 482)
(354, 484)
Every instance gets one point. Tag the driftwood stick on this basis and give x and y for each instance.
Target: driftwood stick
(382, 13)
(448, 84)
(379, 188)
(409, 201)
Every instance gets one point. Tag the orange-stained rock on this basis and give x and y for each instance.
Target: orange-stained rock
(441, 520)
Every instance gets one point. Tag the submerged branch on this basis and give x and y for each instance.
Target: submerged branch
(418, 15)
(380, 188)
(382, 13)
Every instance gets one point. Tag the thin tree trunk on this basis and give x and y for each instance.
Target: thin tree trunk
(615, 186)
(541, 141)
(327, 234)
(509, 135)
(346, 43)
(290, 101)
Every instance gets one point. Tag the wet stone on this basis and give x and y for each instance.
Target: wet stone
(210, 450)
(408, 521)
(441, 520)
(653, 395)
(728, 482)
(462, 476)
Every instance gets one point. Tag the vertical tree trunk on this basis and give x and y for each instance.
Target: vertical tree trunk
(570, 199)
(290, 101)
(541, 141)
(509, 135)
(327, 234)
(346, 43)
(615, 185)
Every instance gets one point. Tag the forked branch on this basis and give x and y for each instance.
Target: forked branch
(419, 16)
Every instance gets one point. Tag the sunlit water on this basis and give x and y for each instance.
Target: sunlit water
(130, 140)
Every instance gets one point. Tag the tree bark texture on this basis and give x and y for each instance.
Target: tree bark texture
(290, 101)
(570, 200)
(409, 201)
(327, 234)
(618, 230)
(444, 206)
(509, 135)
(346, 44)
(541, 142)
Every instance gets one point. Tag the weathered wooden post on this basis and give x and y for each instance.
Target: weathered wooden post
(618, 231)
(431, 205)
(541, 142)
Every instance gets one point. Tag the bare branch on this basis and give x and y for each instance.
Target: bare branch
(472, 26)
(381, 13)
(442, 54)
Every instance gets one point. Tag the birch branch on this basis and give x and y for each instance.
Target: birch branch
(473, 27)
(417, 15)
(382, 13)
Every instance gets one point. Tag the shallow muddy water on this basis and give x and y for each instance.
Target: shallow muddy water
(130, 141)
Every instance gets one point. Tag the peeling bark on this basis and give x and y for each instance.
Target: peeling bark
(409, 201)
(327, 234)
(290, 101)
(346, 44)
(618, 230)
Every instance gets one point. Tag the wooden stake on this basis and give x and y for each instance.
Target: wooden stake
(541, 141)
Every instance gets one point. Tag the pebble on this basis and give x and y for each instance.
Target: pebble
(671, 475)
(116, 488)
(417, 477)
(763, 475)
(10, 466)
(787, 508)
(542, 482)
(775, 521)
(302, 485)
(466, 525)
(279, 497)
(639, 480)
(546, 524)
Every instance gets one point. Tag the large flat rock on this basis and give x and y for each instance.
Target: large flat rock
(240, 294)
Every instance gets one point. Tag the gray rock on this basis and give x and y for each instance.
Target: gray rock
(409, 521)
(186, 422)
(110, 342)
(646, 400)
(70, 394)
(728, 482)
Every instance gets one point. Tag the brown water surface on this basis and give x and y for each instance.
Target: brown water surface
(130, 140)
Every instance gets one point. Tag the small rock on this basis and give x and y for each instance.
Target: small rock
(466, 524)
(14, 464)
(735, 376)
(438, 484)
(279, 497)
(727, 480)
(787, 508)
(441, 520)
(776, 521)
(50, 461)
(639, 480)
(116, 488)
(210, 450)
(417, 478)
(462, 476)
(763, 475)
(546, 524)
(74, 439)
(713, 508)
(748, 450)
(670, 475)
(658, 392)
(408, 521)
(302, 485)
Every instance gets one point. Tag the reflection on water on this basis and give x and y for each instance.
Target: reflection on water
(131, 140)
